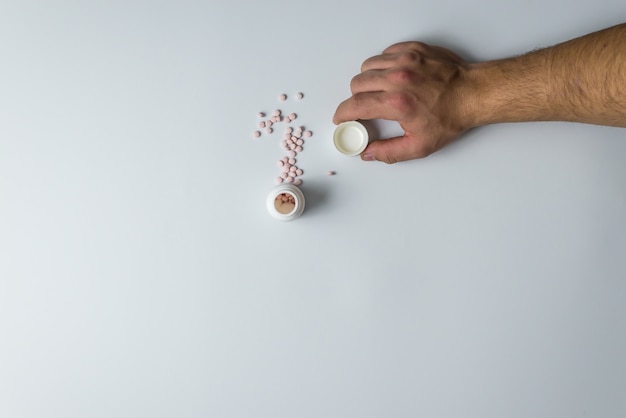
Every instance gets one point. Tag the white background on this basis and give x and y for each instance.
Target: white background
(140, 275)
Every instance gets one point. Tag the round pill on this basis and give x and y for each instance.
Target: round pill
(286, 168)
(261, 114)
(292, 116)
(299, 96)
(288, 130)
(282, 97)
(308, 134)
(299, 172)
(277, 112)
(299, 142)
(261, 124)
(279, 180)
(285, 159)
(291, 174)
(293, 168)
(331, 173)
(289, 180)
(292, 154)
(280, 163)
(256, 134)
(269, 130)
(298, 148)
(292, 161)
(297, 182)
(284, 175)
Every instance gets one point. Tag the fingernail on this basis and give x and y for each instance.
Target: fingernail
(368, 157)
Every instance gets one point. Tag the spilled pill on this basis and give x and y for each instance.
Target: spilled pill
(256, 134)
(279, 180)
(299, 172)
(331, 173)
(289, 180)
(298, 149)
(292, 161)
(261, 114)
(282, 97)
(299, 96)
(299, 142)
(297, 182)
(261, 124)
(308, 134)
(269, 130)
(292, 116)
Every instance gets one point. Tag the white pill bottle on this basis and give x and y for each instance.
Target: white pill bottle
(285, 202)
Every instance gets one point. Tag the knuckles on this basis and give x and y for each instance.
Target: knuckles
(402, 103)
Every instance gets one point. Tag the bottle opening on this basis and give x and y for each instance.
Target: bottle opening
(285, 203)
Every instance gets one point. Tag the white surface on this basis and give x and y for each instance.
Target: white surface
(141, 276)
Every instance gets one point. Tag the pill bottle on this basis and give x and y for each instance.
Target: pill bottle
(350, 138)
(285, 202)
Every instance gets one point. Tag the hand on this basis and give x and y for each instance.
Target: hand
(417, 85)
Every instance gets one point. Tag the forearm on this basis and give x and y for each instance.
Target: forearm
(582, 80)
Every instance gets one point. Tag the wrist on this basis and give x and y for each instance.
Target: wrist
(510, 90)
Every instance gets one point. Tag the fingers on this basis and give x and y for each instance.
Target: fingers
(375, 105)
(393, 150)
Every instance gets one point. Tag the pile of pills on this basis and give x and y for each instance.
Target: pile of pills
(292, 143)
(285, 203)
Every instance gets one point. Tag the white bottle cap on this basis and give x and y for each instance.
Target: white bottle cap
(285, 202)
(350, 138)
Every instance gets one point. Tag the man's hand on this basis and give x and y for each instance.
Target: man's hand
(416, 85)
(436, 96)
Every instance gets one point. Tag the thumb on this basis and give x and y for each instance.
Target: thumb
(393, 150)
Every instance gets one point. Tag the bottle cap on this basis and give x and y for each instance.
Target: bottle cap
(350, 138)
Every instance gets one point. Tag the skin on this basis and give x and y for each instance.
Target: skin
(436, 96)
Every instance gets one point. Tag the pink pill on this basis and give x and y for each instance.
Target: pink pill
(298, 149)
(256, 134)
(286, 168)
(282, 97)
(289, 180)
(293, 146)
(279, 180)
(292, 116)
(292, 154)
(299, 142)
(299, 172)
(261, 124)
(331, 173)
(285, 159)
(292, 161)
(308, 134)
(261, 114)
(280, 163)
(297, 182)
(284, 175)
(292, 174)
(299, 96)
(269, 130)
(288, 130)
(293, 168)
